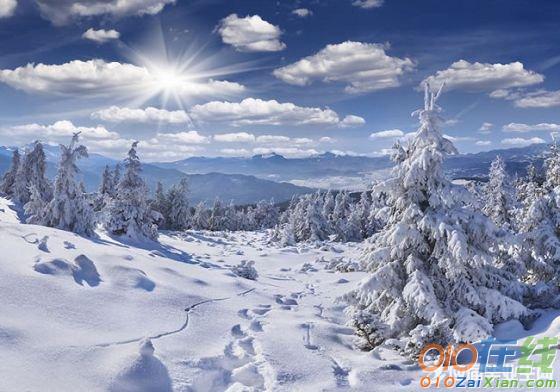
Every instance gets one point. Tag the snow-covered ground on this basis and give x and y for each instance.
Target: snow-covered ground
(76, 313)
(99, 314)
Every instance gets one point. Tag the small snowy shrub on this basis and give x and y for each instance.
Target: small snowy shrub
(246, 270)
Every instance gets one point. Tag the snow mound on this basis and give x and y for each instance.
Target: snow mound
(145, 373)
(82, 270)
(131, 278)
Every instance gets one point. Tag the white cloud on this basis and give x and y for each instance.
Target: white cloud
(483, 142)
(302, 12)
(368, 4)
(268, 139)
(362, 66)
(462, 75)
(519, 141)
(252, 111)
(162, 147)
(383, 152)
(289, 152)
(147, 115)
(352, 121)
(282, 140)
(56, 132)
(190, 137)
(327, 139)
(7, 8)
(537, 99)
(458, 138)
(97, 77)
(235, 152)
(239, 137)
(101, 36)
(485, 127)
(250, 34)
(63, 11)
(518, 127)
(388, 134)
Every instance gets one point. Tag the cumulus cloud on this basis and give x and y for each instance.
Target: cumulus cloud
(302, 12)
(474, 77)
(162, 147)
(520, 142)
(97, 77)
(238, 137)
(363, 67)
(368, 4)
(458, 138)
(56, 132)
(537, 99)
(352, 121)
(63, 11)
(483, 142)
(327, 139)
(7, 8)
(250, 34)
(519, 127)
(252, 111)
(485, 127)
(101, 36)
(147, 115)
(190, 137)
(388, 134)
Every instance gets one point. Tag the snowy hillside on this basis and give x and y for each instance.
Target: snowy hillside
(76, 310)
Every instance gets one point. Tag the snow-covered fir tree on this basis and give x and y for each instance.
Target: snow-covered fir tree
(433, 277)
(499, 196)
(9, 178)
(340, 214)
(32, 172)
(160, 203)
(200, 219)
(35, 208)
(232, 219)
(539, 229)
(354, 224)
(328, 207)
(129, 213)
(70, 208)
(107, 184)
(216, 216)
(552, 166)
(116, 178)
(179, 215)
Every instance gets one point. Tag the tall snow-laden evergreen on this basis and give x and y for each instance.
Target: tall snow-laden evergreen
(9, 178)
(32, 172)
(539, 231)
(433, 277)
(201, 217)
(106, 187)
(70, 208)
(179, 215)
(499, 198)
(129, 213)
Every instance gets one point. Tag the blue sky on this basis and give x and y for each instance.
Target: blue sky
(237, 78)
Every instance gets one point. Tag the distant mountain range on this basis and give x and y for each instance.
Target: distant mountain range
(242, 189)
(247, 180)
(337, 171)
